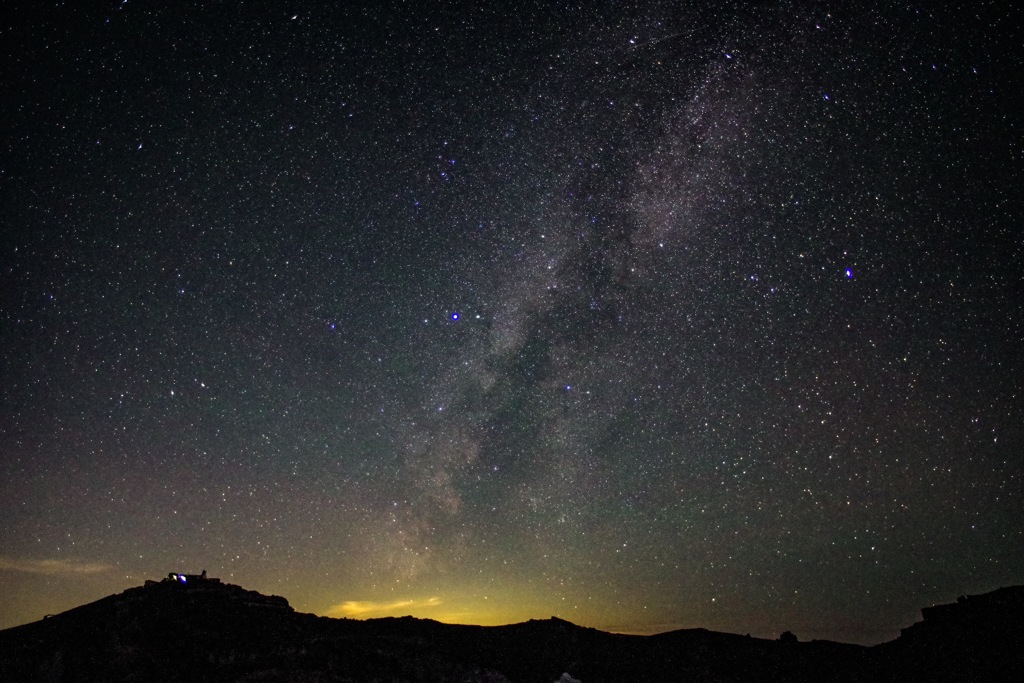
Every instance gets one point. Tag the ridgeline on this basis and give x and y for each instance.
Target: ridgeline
(193, 628)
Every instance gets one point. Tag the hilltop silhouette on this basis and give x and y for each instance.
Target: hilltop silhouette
(193, 628)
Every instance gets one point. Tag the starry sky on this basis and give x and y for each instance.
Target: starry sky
(648, 315)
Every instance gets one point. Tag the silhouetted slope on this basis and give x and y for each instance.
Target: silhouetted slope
(979, 637)
(208, 631)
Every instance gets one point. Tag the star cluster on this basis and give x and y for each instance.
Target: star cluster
(647, 316)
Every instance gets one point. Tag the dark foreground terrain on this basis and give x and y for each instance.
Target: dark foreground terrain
(209, 631)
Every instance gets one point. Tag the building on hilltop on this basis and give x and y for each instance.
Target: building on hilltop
(189, 579)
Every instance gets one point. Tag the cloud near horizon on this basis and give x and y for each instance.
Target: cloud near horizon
(52, 567)
(371, 608)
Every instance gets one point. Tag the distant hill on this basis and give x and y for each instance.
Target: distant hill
(199, 629)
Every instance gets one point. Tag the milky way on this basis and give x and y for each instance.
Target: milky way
(648, 318)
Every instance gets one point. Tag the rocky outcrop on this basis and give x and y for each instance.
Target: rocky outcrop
(979, 637)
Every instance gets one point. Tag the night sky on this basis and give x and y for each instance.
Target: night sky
(647, 315)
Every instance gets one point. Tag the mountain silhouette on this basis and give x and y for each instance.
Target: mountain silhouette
(190, 628)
